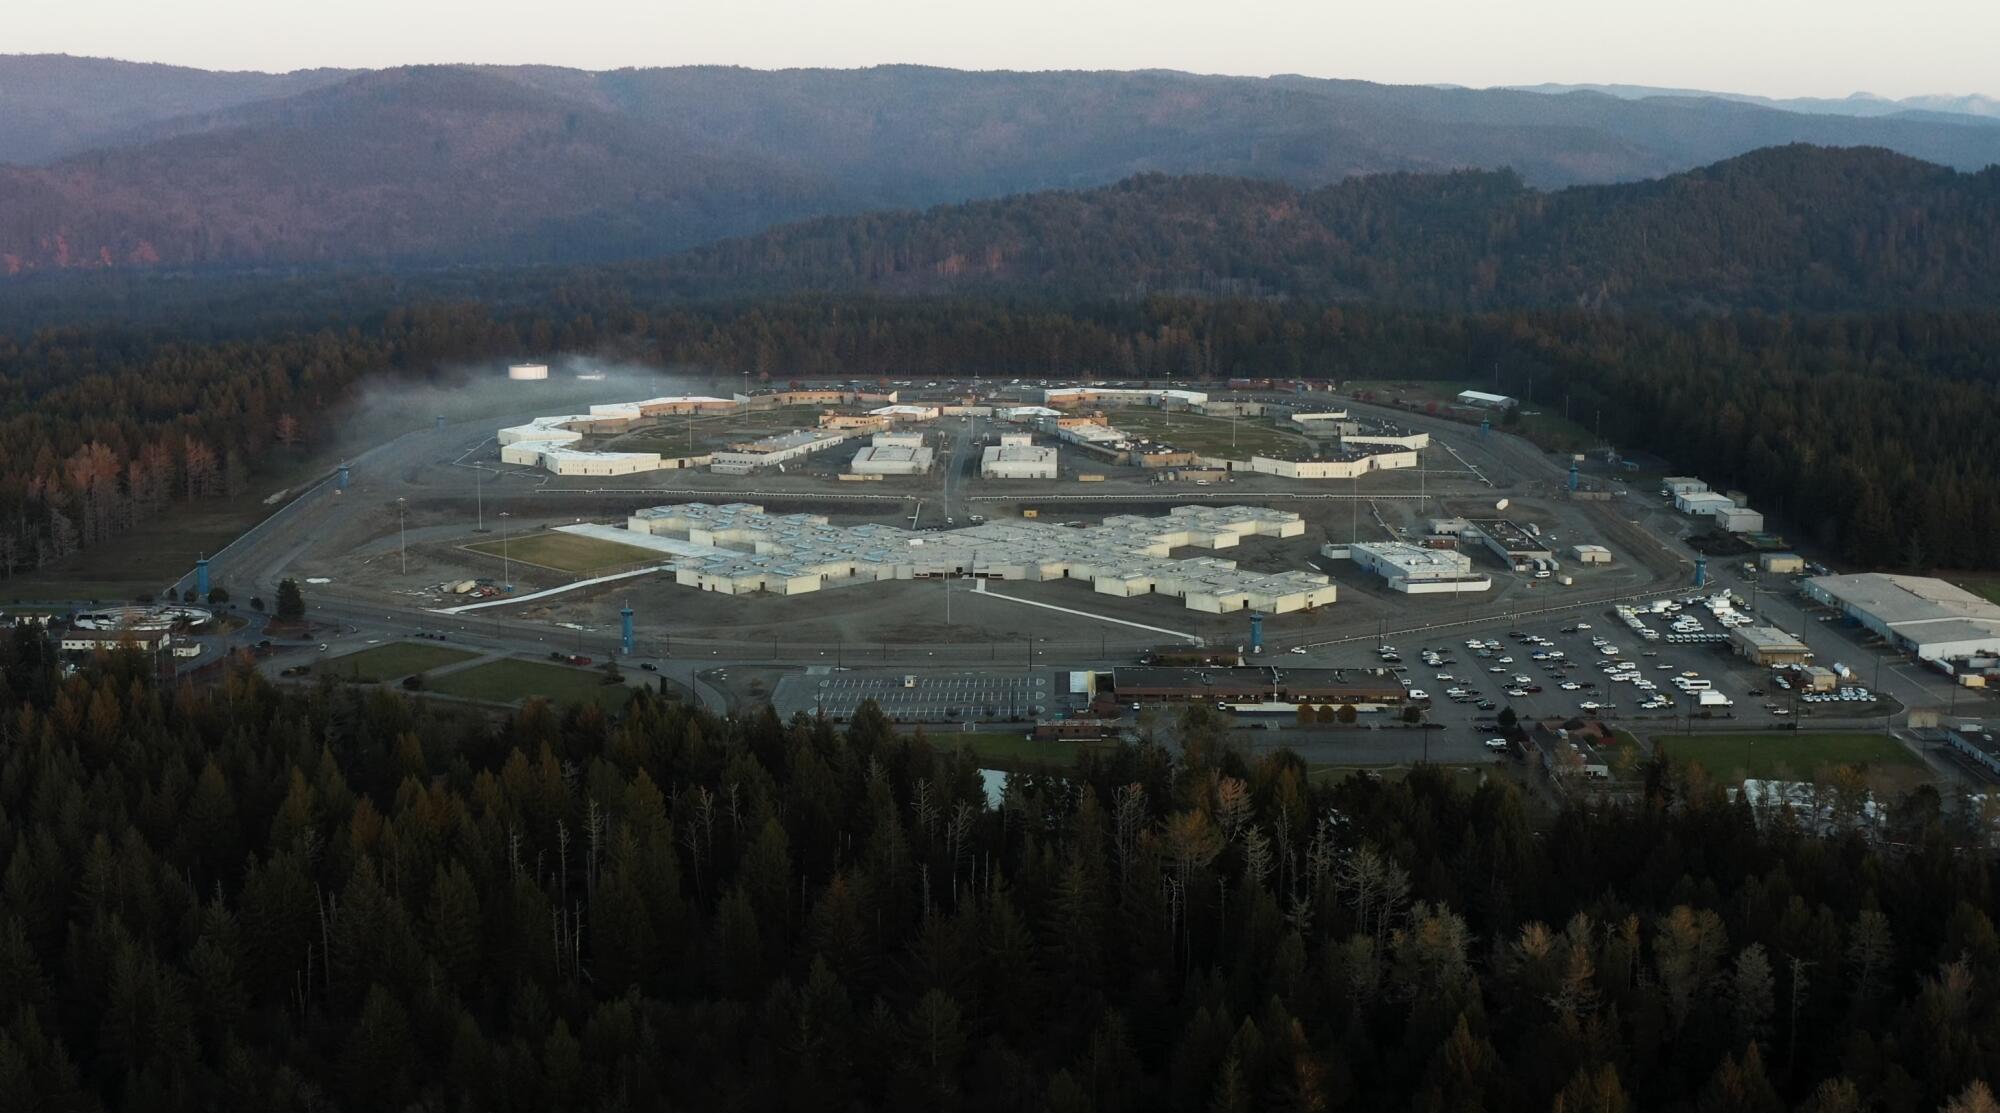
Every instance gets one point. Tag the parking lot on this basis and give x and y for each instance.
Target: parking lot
(1599, 666)
(931, 697)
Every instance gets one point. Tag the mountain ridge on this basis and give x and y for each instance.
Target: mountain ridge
(441, 164)
(1793, 227)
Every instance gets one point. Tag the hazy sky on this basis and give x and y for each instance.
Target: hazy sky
(1772, 47)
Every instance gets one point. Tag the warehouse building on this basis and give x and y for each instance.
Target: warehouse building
(1591, 554)
(1414, 569)
(1919, 615)
(893, 454)
(1740, 519)
(739, 549)
(1979, 745)
(1678, 485)
(1768, 646)
(1513, 544)
(1703, 502)
(1489, 401)
(1017, 457)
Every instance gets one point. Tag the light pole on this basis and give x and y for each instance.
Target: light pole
(479, 499)
(506, 570)
(402, 538)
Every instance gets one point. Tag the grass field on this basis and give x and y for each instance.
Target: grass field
(1787, 756)
(513, 681)
(704, 433)
(393, 662)
(1208, 435)
(1544, 424)
(1012, 750)
(568, 552)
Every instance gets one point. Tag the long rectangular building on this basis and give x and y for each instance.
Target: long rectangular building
(1919, 615)
(1255, 684)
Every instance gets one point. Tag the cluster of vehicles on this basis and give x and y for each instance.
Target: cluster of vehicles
(1684, 626)
(1843, 694)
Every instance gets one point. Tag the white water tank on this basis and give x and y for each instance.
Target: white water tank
(528, 372)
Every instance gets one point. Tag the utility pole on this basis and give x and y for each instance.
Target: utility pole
(402, 538)
(479, 499)
(506, 569)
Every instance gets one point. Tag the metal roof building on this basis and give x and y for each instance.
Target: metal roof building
(1918, 614)
(1768, 645)
(1416, 570)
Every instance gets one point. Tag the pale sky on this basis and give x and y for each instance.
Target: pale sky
(1769, 47)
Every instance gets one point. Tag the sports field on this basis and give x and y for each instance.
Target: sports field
(1783, 755)
(513, 681)
(1208, 435)
(394, 661)
(568, 552)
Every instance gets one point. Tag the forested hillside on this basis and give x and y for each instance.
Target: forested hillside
(1792, 229)
(236, 898)
(534, 164)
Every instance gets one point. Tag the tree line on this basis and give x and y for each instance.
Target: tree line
(246, 897)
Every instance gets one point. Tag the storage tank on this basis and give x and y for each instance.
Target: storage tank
(528, 372)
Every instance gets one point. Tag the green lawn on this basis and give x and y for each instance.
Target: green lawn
(512, 681)
(1013, 751)
(393, 662)
(1782, 755)
(568, 552)
(1208, 435)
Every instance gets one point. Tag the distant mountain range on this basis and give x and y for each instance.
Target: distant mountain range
(1971, 108)
(113, 165)
(1782, 229)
